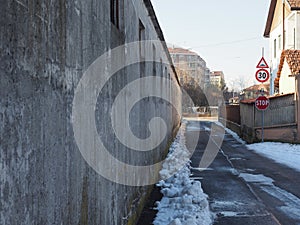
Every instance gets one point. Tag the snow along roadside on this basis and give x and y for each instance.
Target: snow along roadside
(283, 153)
(183, 202)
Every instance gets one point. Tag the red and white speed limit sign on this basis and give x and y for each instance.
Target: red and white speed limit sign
(262, 103)
(262, 75)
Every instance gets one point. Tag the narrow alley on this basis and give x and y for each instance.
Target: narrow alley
(244, 187)
(123, 112)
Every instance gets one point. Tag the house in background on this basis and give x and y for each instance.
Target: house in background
(283, 30)
(254, 91)
(288, 68)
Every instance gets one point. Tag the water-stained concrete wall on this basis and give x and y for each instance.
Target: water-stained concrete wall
(45, 47)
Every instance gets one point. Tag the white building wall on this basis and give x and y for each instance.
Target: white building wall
(297, 33)
(286, 83)
(292, 28)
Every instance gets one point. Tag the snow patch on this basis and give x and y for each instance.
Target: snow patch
(283, 153)
(194, 128)
(183, 202)
(290, 202)
(256, 178)
(233, 134)
(201, 169)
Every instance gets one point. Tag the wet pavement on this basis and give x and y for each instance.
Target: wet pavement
(244, 187)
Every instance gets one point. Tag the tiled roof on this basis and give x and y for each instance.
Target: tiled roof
(248, 101)
(257, 87)
(294, 3)
(292, 58)
(251, 101)
(217, 73)
(181, 51)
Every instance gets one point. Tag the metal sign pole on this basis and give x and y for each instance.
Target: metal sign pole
(263, 120)
(262, 127)
(262, 75)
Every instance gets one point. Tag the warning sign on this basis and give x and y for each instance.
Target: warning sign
(262, 63)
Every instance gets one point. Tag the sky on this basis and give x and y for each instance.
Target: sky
(228, 35)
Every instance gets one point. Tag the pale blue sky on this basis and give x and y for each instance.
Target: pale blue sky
(228, 35)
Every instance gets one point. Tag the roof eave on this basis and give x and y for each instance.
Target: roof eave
(158, 29)
(270, 18)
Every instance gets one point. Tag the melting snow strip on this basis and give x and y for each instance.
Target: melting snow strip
(283, 153)
(290, 201)
(183, 202)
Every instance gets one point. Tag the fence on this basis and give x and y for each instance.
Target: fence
(280, 122)
(280, 119)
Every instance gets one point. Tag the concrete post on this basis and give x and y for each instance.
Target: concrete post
(297, 106)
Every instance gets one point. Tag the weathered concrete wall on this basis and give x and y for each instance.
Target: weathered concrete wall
(282, 134)
(45, 46)
(229, 116)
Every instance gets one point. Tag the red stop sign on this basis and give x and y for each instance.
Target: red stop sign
(262, 103)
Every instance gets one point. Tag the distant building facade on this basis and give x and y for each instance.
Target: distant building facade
(207, 78)
(217, 78)
(191, 65)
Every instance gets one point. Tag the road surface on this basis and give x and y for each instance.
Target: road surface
(244, 187)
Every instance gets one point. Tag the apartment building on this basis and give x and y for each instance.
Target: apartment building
(190, 62)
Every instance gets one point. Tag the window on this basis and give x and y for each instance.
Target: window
(275, 48)
(279, 42)
(161, 68)
(165, 72)
(115, 12)
(142, 49)
(154, 60)
(141, 39)
(294, 38)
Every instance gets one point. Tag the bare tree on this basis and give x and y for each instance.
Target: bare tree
(241, 83)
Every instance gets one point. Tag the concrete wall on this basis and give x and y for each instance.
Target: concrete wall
(231, 113)
(45, 46)
(229, 116)
(283, 134)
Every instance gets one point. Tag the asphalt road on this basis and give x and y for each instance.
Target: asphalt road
(244, 187)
